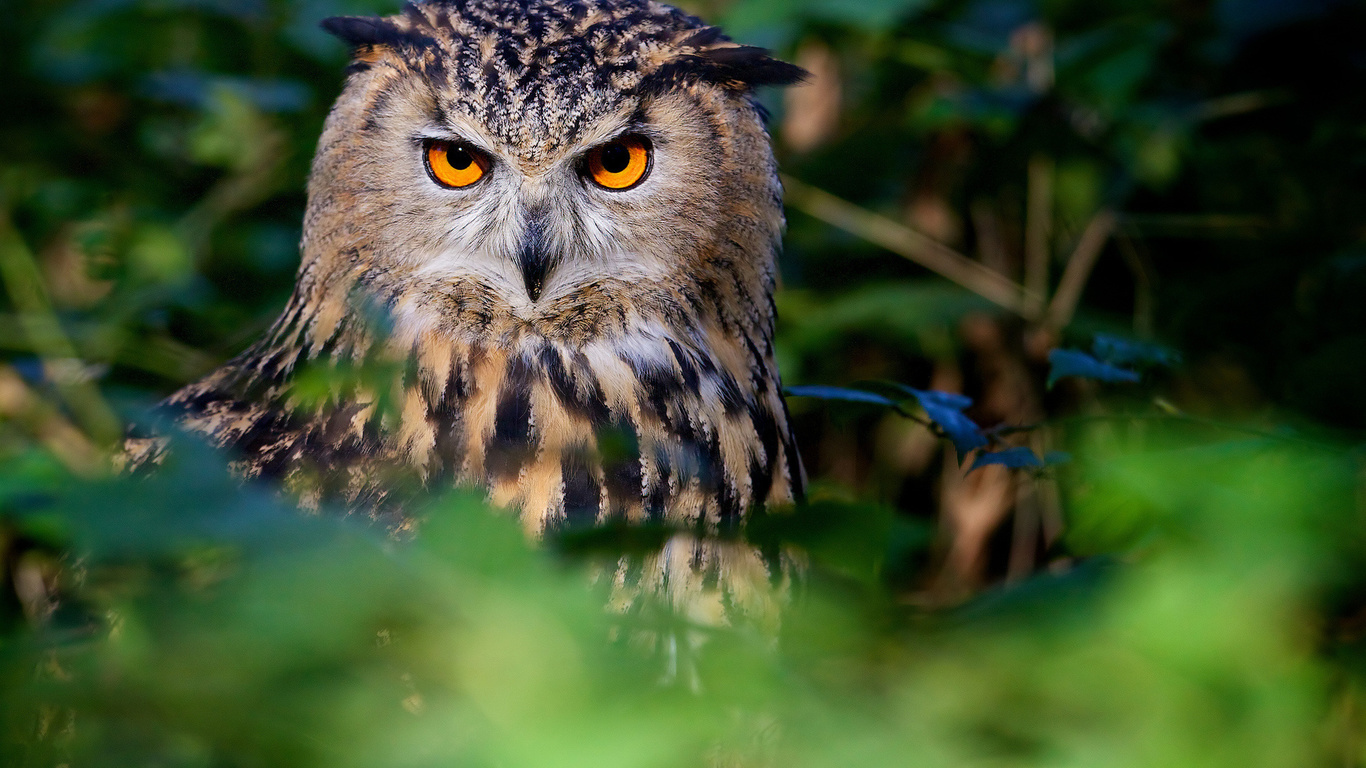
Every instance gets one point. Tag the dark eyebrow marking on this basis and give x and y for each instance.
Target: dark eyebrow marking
(739, 67)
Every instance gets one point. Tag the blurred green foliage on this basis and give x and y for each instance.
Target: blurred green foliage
(1187, 590)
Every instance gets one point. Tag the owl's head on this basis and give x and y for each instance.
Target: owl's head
(564, 167)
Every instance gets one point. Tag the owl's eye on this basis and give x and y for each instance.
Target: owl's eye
(620, 164)
(455, 166)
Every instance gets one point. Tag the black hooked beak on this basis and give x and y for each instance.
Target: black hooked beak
(534, 258)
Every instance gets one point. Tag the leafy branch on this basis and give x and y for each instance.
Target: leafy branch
(944, 412)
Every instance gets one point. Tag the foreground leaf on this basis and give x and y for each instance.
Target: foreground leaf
(1012, 458)
(840, 394)
(1071, 363)
(946, 410)
(1120, 351)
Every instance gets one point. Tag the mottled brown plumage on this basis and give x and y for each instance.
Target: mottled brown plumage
(633, 379)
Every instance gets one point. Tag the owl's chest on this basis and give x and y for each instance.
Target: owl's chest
(641, 427)
(614, 431)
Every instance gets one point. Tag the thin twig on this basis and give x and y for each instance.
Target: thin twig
(991, 247)
(1079, 268)
(1048, 494)
(160, 355)
(912, 245)
(1039, 227)
(24, 284)
(1241, 104)
(68, 444)
(253, 179)
(1145, 292)
(1025, 537)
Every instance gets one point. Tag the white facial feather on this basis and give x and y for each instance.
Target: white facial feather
(480, 229)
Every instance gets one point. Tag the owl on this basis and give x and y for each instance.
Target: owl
(539, 258)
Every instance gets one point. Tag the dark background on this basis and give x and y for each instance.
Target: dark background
(1189, 173)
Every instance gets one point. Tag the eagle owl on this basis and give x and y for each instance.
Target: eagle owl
(553, 225)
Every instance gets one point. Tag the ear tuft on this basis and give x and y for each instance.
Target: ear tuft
(707, 55)
(704, 38)
(751, 66)
(367, 35)
(357, 31)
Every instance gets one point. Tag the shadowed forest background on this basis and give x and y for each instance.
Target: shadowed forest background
(1131, 232)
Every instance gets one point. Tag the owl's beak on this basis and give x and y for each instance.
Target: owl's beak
(534, 257)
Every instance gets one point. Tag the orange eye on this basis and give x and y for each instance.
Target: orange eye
(455, 166)
(621, 164)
